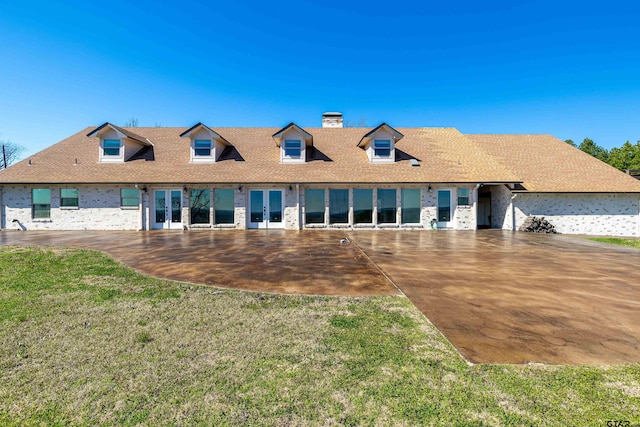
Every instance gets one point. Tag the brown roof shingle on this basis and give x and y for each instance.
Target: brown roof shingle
(445, 156)
(546, 164)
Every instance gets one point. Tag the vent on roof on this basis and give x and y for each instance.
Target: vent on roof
(414, 162)
(332, 120)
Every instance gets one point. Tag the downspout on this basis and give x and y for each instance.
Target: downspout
(298, 206)
(513, 212)
(140, 207)
(475, 206)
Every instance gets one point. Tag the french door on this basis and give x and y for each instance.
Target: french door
(167, 209)
(266, 208)
(445, 211)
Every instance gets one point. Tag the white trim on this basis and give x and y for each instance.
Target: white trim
(103, 158)
(450, 223)
(168, 222)
(266, 223)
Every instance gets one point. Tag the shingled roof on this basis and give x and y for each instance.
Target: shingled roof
(548, 165)
(445, 156)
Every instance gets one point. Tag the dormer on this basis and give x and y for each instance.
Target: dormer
(293, 142)
(206, 144)
(380, 144)
(117, 145)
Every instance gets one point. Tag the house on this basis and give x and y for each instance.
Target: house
(114, 178)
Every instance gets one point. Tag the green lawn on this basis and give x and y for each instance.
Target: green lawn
(634, 243)
(85, 340)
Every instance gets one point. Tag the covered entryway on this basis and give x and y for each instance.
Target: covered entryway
(484, 207)
(266, 208)
(167, 208)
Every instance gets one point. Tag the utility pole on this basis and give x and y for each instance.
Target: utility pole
(4, 158)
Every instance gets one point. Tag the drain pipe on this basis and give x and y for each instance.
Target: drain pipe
(298, 206)
(513, 212)
(475, 205)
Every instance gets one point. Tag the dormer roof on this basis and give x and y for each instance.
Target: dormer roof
(200, 126)
(397, 136)
(308, 138)
(122, 133)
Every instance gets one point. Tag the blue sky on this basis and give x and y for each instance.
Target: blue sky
(571, 69)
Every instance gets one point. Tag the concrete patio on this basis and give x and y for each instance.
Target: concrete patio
(499, 297)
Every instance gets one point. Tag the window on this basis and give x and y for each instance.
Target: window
(463, 196)
(292, 148)
(199, 201)
(338, 206)
(223, 204)
(41, 203)
(69, 198)
(129, 197)
(410, 205)
(386, 206)
(202, 148)
(314, 206)
(111, 147)
(382, 148)
(362, 206)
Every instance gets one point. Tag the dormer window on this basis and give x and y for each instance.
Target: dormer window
(292, 148)
(293, 142)
(381, 148)
(111, 148)
(380, 144)
(206, 144)
(117, 145)
(202, 148)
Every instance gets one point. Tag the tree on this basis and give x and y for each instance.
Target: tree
(11, 153)
(625, 157)
(131, 123)
(590, 147)
(570, 142)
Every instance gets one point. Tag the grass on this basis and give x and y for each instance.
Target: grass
(85, 340)
(634, 243)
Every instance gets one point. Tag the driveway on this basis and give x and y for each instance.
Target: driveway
(499, 297)
(505, 297)
(312, 263)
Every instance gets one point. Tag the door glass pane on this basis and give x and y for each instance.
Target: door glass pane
(362, 206)
(338, 206)
(386, 206)
(176, 206)
(160, 204)
(410, 205)
(314, 206)
(223, 204)
(275, 206)
(257, 205)
(444, 205)
(199, 201)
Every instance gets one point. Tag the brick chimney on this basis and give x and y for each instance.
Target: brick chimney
(332, 120)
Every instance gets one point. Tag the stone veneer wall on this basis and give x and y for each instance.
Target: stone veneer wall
(596, 214)
(99, 209)
(501, 207)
